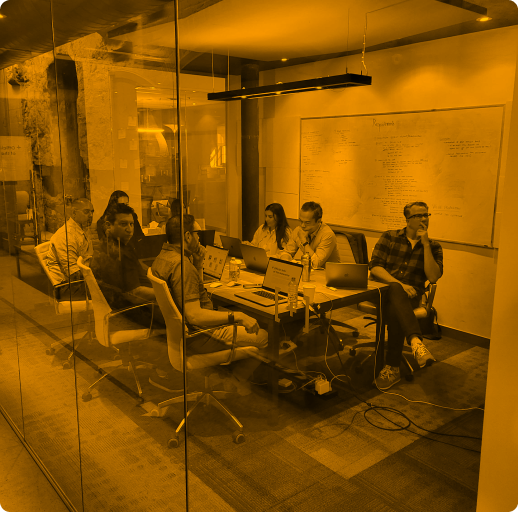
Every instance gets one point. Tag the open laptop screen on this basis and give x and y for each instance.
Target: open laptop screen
(279, 274)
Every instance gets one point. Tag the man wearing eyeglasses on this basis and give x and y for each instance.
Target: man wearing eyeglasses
(66, 245)
(198, 307)
(405, 259)
(312, 236)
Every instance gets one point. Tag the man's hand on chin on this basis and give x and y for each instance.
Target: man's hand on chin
(422, 234)
(199, 256)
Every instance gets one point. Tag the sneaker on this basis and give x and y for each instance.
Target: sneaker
(387, 377)
(171, 382)
(421, 354)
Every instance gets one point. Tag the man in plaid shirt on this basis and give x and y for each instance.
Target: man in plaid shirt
(405, 259)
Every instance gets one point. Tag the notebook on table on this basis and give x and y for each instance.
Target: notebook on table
(213, 263)
(232, 245)
(278, 275)
(347, 275)
(255, 258)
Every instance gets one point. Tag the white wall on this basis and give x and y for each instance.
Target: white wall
(464, 71)
(497, 481)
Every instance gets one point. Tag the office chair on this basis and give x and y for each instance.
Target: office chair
(24, 217)
(62, 306)
(422, 311)
(106, 320)
(352, 248)
(174, 327)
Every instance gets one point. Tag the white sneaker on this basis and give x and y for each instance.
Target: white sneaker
(421, 354)
(387, 377)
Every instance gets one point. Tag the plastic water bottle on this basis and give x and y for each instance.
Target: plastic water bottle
(306, 267)
(293, 295)
(233, 270)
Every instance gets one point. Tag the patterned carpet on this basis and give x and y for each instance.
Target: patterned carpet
(321, 455)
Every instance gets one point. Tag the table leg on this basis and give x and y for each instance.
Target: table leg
(380, 335)
(273, 354)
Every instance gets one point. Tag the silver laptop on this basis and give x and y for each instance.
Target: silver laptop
(347, 275)
(278, 275)
(232, 245)
(255, 258)
(213, 263)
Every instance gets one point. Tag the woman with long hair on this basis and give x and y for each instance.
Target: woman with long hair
(119, 196)
(274, 234)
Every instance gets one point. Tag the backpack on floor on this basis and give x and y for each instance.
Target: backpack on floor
(430, 327)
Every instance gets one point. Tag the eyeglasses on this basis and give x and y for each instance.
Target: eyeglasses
(419, 216)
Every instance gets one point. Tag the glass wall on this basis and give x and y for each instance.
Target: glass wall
(104, 137)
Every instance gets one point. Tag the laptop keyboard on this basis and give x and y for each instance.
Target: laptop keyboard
(265, 294)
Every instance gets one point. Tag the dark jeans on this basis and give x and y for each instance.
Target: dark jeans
(398, 310)
(69, 290)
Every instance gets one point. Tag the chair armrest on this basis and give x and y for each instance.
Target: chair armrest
(67, 283)
(117, 312)
(192, 334)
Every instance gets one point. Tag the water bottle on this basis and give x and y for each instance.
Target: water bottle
(306, 267)
(233, 270)
(293, 294)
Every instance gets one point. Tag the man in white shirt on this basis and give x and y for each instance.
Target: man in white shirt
(66, 245)
(312, 236)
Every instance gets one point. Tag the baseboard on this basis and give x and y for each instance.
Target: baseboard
(474, 339)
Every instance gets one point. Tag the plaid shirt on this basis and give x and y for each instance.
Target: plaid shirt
(394, 253)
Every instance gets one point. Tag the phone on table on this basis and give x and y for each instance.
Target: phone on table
(251, 285)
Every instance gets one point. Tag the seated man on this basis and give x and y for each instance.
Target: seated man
(198, 307)
(116, 267)
(66, 245)
(405, 259)
(313, 236)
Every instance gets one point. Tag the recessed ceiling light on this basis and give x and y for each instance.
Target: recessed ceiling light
(2, 16)
(284, 60)
(484, 18)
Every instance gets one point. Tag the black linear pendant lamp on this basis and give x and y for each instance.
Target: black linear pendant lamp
(312, 84)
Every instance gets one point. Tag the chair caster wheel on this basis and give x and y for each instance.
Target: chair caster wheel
(50, 351)
(67, 365)
(409, 377)
(87, 397)
(352, 351)
(356, 334)
(140, 401)
(358, 369)
(173, 443)
(238, 437)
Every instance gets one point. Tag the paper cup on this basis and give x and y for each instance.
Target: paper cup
(308, 290)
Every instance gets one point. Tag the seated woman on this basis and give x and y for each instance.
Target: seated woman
(274, 234)
(119, 196)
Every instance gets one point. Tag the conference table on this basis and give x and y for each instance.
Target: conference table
(324, 300)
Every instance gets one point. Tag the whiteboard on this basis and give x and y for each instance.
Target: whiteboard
(364, 169)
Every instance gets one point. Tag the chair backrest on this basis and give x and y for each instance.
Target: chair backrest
(352, 247)
(100, 305)
(22, 201)
(42, 251)
(173, 320)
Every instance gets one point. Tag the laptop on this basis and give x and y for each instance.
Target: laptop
(278, 274)
(232, 245)
(255, 258)
(213, 263)
(347, 275)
